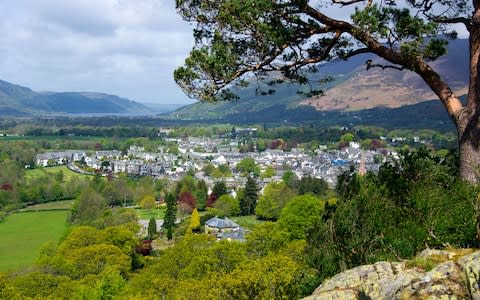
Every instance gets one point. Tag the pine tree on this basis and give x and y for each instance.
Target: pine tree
(220, 189)
(170, 215)
(152, 228)
(250, 196)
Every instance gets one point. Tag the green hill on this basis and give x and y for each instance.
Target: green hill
(17, 100)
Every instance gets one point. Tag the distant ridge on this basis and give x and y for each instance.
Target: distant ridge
(16, 100)
(353, 89)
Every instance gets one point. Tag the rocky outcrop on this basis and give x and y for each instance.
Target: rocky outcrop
(434, 274)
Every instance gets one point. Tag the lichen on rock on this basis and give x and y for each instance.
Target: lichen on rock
(454, 277)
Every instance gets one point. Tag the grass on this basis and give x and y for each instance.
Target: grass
(67, 173)
(147, 214)
(56, 205)
(247, 222)
(50, 138)
(23, 234)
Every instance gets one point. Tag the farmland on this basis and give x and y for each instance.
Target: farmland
(23, 234)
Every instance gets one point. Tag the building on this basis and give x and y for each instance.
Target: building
(224, 229)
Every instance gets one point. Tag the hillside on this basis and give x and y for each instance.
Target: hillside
(353, 88)
(17, 100)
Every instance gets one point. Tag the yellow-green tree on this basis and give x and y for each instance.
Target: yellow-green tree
(148, 202)
(194, 222)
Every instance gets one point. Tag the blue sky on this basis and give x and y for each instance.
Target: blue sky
(124, 47)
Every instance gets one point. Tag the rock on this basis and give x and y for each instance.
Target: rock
(470, 265)
(449, 279)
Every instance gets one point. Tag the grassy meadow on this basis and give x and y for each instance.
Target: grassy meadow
(147, 214)
(67, 173)
(247, 222)
(23, 234)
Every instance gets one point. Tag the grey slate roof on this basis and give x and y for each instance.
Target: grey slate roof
(221, 223)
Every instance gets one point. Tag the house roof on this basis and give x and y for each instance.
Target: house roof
(234, 235)
(221, 223)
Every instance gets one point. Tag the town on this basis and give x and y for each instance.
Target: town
(198, 155)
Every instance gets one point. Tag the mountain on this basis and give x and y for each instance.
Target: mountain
(17, 100)
(162, 108)
(353, 88)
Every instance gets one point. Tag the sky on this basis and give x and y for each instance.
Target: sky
(129, 48)
(124, 47)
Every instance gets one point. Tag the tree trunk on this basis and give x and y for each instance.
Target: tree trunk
(468, 142)
(468, 121)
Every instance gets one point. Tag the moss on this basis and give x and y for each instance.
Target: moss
(425, 263)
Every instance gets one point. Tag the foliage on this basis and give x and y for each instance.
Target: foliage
(88, 209)
(148, 202)
(152, 228)
(198, 267)
(268, 173)
(248, 166)
(249, 198)
(308, 185)
(300, 214)
(194, 222)
(228, 205)
(201, 194)
(296, 36)
(187, 202)
(266, 238)
(274, 198)
(219, 189)
(426, 205)
(170, 215)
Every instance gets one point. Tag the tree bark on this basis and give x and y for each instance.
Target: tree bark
(468, 125)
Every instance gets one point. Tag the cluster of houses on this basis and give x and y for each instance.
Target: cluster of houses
(160, 164)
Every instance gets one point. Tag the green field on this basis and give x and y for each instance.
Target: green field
(22, 235)
(147, 214)
(248, 222)
(56, 205)
(67, 173)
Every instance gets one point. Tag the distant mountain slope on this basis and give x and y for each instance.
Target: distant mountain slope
(393, 88)
(19, 101)
(427, 114)
(354, 88)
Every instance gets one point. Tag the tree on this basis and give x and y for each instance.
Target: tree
(269, 172)
(170, 215)
(228, 205)
(212, 198)
(300, 214)
(248, 166)
(187, 202)
(194, 222)
(273, 200)
(250, 196)
(88, 209)
(201, 194)
(148, 202)
(235, 39)
(152, 228)
(219, 189)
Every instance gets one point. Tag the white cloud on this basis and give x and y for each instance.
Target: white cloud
(118, 46)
